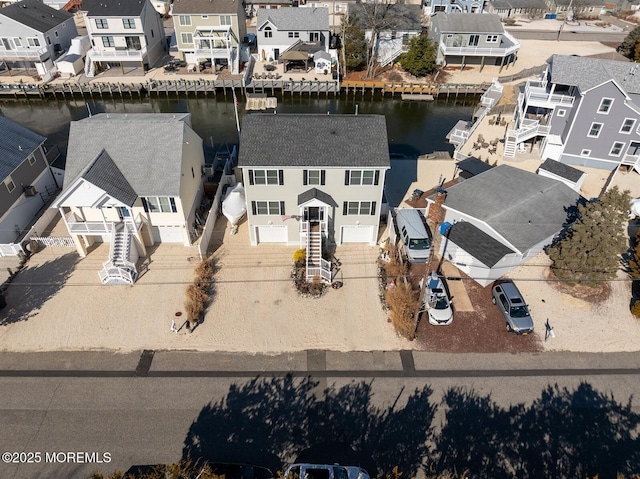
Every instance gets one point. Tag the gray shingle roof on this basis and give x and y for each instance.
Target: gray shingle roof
(473, 165)
(469, 23)
(583, 3)
(113, 8)
(146, 148)
(313, 140)
(16, 144)
(586, 73)
(315, 193)
(35, 14)
(532, 4)
(523, 207)
(392, 16)
(301, 19)
(560, 169)
(477, 243)
(104, 173)
(205, 6)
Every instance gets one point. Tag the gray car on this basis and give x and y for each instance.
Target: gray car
(513, 308)
(325, 471)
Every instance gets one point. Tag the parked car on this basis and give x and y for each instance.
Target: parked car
(325, 471)
(437, 302)
(513, 308)
(415, 236)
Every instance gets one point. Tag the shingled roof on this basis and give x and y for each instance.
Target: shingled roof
(16, 144)
(391, 16)
(586, 73)
(113, 8)
(181, 7)
(105, 174)
(35, 14)
(300, 19)
(469, 23)
(477, 243)
(299, 140)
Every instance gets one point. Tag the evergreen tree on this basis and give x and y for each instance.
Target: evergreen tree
(593, 245)
(628, 45)
(354, 46)
(420, 59)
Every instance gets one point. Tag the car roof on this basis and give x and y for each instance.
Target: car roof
(510, 290)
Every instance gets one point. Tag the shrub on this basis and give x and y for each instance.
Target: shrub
(299, 256)
(635, 308)
(403, 303)
(394, 268)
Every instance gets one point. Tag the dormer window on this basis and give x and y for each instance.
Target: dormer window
(267, 32)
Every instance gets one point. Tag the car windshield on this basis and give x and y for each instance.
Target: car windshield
(441, 303)
(340, 472)
(419, 243)
(519, 312)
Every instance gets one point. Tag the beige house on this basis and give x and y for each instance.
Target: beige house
(209, 31)
(132, 180)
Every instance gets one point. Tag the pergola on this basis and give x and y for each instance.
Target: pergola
(294, 55)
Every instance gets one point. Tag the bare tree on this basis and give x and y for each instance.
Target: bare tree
(372, 18)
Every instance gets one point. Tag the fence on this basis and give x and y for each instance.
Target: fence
(523, 74)
(54, 241)
(205, 237)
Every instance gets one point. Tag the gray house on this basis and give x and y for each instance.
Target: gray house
(517, 8)
(500, 219)
(466, 38)
(313, 179)
(33, 35)
(583, 111)
(292, 29)
(27, 181)
(431, 7)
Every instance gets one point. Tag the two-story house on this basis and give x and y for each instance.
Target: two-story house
(312, 180)
(583, 111)
(132, 180)
(395, 24)
(210, 31)
(126, 35)
(467, 38)
(33, 35)
(292, 29)
(430, 7)
(337, 11)
(27, 181)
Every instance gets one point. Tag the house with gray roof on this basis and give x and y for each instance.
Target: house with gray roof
(312, 180)
(292, 29)
(470, 39)
(583, 112)
(431, 7)
(131, 189)
(517, 8)
(396, 24)
(584, 9)
(27, 182)
(33, 35)
(501, 218)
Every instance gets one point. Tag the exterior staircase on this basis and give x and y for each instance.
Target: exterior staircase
(89, 67)
(315, 264)
(394, 55)
(119, 269)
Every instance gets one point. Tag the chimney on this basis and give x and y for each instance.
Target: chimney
(436, 212)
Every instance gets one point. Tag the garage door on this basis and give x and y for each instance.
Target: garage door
(357, 234)
(167, 234)
(272, 234)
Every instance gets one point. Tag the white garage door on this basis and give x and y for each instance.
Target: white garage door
(272, 234)
(357, 234)
(167, 234)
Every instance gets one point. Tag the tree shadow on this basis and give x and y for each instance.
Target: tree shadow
(35, 285)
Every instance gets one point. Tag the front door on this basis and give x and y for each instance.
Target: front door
(276, 53)
(314, 214)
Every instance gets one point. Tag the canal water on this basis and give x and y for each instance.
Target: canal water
(413, 128)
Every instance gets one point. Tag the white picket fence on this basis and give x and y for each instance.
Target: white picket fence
(213, 216)
(54, 241)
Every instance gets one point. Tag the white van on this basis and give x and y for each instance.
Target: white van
(414, 235)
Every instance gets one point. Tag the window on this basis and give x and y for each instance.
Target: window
(562, 112)
(314, 36)
(294, 34)
(8, 182)
(56, 34)
(108, 42)
(616, 149)
(628, 125)
(184, 20)
(361, 177)
(337, 7)
(605, 105)
(313, 177)
(49, 40)
(492, 38)
(187, 38)
(594, 131)
(267, 32)
(33, 42)
(266, 177)
(225, 20)
(159, 204)
(17, 42)
(359, 208)
(32, 160)
(268, 207)
(101, 23)
(585, 153)
(128, 23)
(204, 17)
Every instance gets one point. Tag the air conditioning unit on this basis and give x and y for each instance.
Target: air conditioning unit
(30, 190)
(208, 170)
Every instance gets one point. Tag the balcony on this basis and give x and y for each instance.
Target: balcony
(31, 54)
(539, 97)
(509, 46)
(118, 55)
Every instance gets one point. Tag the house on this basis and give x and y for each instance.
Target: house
(499, 219)
(583, 9)
(251, 7)
(33, 35)
(209, 31)
(27, 182)
(582, 111)
(572, 177)
(467, 38)
(125, 35)
(132, 180)
(337, 11)
(397, 23)
(517, 8)
(430, 7)
(292, 29)
(312, 180)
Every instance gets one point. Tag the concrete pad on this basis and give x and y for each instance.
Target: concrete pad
(366, 361)
(69, 361)
(199, 361)
(458, 292)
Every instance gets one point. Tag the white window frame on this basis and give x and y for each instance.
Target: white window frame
(32, 160)
(562, 112)
(17, 42)
(160, 204)
(622, 145)
(184, 20)
(101, 23)
(359, 208)
(187, 38)
(33, 42)
(266, 177)
(633, 124)
(357, 177)
(595, 135)
(129, 23)
(8, 182)
(108, 41)
(225, 20)
(268, 33)
(268, 208)
(602, 105)
(585, 152)
(492, 39)
(316, 181)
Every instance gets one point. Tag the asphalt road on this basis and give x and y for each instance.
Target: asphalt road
(568, 34)
(148, 408)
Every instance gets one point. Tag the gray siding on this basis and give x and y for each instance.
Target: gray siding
(23, 175)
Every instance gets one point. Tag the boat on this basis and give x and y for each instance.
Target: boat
(234, 206)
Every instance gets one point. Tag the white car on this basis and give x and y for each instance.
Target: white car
(437, 302)
(325, 471)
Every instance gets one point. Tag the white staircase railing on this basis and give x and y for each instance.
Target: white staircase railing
(118, 268)
(89, 67)
(393, 55)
